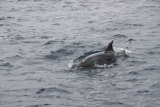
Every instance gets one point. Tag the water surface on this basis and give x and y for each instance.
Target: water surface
(39, 38)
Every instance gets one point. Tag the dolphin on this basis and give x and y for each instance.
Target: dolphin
(107, 57)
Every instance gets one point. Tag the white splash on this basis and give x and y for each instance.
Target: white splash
(102, 66)
(121, 49)
(70, 64)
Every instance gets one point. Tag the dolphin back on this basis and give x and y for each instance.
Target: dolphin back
(102, 58)
(96, 59)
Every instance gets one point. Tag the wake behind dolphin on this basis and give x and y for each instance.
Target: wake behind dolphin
(107, 57)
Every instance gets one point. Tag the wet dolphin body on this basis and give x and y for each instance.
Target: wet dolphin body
(102, 58)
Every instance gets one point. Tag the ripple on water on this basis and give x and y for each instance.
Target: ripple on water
(142, 91)
(56, 24)
(50, 42)
(41, 105)
(152, 68)
(117, 104)
(53, 89)
(133, 63)
(7, 64)
(45, 37)
(59, 53)
(133, 73)
(157, 85)
(119, 36)
(92, 21)
(130, 40)
(15, 57)
(19, 37)
(132, 80)
(8, 17)
(2, 18)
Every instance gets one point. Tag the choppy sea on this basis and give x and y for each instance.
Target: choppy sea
(41, 41)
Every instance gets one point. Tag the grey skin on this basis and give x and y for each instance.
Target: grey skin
(107, 57)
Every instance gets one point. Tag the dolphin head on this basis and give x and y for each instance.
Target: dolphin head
(109, 47)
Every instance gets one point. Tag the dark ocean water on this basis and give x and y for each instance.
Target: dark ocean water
(42, 40)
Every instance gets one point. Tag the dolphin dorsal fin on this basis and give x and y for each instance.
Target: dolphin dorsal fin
(109, 47)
